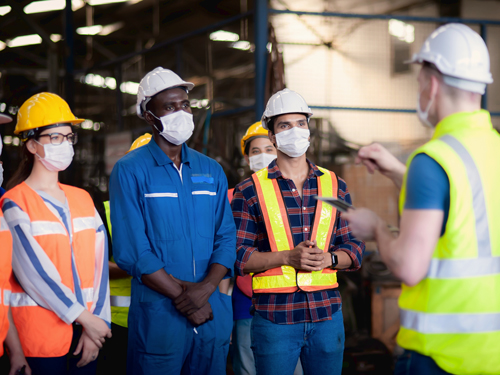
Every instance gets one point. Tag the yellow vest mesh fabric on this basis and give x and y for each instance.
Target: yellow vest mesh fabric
(453, 315)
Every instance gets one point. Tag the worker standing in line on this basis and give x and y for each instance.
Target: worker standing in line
(174, 233)
(8, 331)
(447, 253)
(59, 247)
(115, 351)
(294, 245)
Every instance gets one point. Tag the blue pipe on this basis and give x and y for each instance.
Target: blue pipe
(260, 55)
(387, 17)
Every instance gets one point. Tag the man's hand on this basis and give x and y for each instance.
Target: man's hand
(307, 256)
(201, 316)
(363, 223)
(376, 157)
(193, 297)
(90, 350)
(17, 362)
(96, 328)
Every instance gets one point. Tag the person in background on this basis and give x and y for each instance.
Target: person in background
(173, 232)
(59, 257)
(447, 253)
(294, 245)
(115, 352)
(8, 331)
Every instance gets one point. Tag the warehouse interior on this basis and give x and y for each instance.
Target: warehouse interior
(345, 57)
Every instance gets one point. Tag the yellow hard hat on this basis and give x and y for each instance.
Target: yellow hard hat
(254, 131)
(43, 109)
(139, 142)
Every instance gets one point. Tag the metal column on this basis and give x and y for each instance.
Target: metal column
(119, 97)
(484, 98)
(70, 61)
(260, 55)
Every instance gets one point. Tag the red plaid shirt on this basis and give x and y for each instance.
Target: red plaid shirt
(291, 308)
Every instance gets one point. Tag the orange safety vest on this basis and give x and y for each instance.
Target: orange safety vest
(5, 272)
(286, 279)
(41, 332)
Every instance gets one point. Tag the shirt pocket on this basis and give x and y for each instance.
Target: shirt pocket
(204, 200)
(163, 209)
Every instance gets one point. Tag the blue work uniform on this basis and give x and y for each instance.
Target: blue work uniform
(179, 220)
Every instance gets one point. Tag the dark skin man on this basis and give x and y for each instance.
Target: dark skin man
(190, 299)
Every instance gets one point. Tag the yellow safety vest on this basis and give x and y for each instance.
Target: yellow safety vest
(119, 289)
(453, 314)
(286, 279)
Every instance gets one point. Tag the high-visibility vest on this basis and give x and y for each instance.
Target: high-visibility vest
(41, 332)
(5, 273)
(119, 289)
(286, 279)
(453, 314)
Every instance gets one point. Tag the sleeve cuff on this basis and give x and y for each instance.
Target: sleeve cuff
(224, 260)
(355, 264)
(73, 313)
(147, 264)
(242, 258)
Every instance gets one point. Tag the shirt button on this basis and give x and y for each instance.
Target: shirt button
(304, 208)
(305, 229)
(293, 190)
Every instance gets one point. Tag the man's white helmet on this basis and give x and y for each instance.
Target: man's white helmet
(283, 102)
(154, 82)
(460, 54)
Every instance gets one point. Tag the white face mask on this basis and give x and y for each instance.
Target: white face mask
(293, 142)
(1, 174)
(57, 157)
(423, 116)
(177, 127)
(262, 160)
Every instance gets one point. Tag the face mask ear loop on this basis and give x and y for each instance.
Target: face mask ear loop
(152, 114)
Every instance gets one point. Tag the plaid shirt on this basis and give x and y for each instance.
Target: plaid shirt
(298, 307)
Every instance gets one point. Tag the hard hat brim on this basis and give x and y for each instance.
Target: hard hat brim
(74, 122)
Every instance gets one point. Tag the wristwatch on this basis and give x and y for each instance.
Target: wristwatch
(335, 261)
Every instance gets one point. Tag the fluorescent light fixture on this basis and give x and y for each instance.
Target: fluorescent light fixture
(108, 29)
(402, 30)
(51, 5)
(2, 45)
(25, 40)
(89, 30)
(129, 88)
(242, 45)
(7, 140)
(224, 36)
(110, 82)
(4, 10)
(87, 124)
(102, 2)
(55, 37)
(15, 141)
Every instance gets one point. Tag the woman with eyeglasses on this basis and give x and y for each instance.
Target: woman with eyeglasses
(60, 291)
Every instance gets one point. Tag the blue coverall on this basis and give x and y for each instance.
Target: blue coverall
(160, 220)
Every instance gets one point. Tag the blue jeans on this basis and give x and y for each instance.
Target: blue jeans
(243, 362)
(413, 363)
(277, 347)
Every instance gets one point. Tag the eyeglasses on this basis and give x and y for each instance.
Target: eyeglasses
(58, 138)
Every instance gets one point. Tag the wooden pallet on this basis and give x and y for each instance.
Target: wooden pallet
(385, 312)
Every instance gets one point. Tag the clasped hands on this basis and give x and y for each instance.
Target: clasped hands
(193, 301)
(308, 256)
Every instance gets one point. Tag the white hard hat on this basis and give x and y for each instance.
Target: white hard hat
(282, 102)
(156, 81)
(460, 54)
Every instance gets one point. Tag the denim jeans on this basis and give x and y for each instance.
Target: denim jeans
(413, 363)
(277, 347)
(243, 362)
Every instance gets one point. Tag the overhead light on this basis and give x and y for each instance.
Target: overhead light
(402, 30)
(102, 2)
(2, 45)
(97, 80)
(51, 5)
(89, 30)
(242, 45)
(4, 10)
(108, 29)
(224, 36)
(129, 87)
(55, 37)
(25, 40)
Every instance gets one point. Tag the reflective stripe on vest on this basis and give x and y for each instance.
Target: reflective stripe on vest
(120, 301)
(286, 279)
(453, 314)
(119, 289)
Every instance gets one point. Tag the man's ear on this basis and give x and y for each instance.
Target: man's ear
(272, 137)
(247, 159)
(149, 118)
(434, 86)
